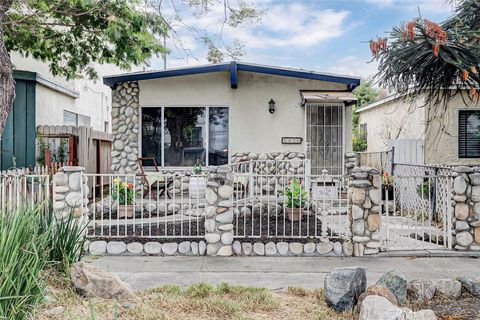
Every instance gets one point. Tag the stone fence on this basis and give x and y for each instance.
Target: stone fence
(466, 203)
(365, 212)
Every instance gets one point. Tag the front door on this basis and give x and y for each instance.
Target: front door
(325, 137)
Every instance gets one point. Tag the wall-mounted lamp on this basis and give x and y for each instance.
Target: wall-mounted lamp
(271, 106)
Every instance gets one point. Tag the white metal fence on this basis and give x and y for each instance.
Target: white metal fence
(20, 187)
(158, 205)
(417, 213)
(262, 206)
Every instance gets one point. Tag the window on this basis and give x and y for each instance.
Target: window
(186, 136)
(363, 131)
(74, 119)
(469, 134)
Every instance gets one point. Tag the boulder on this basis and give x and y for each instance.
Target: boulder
(343, 287)
(379, 308)
(470, 285)
(379, 291)
(420, 290)
(426, 314)
(93, 282)
(396, 283)
(450, 288)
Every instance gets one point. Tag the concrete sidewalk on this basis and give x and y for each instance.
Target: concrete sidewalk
(143, 272)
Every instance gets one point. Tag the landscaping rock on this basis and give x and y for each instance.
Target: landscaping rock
(184, 247)
(116, 247)
(237, 248)
(343, 286)
(296, 248)
(56, 311)
(464, 238)
(309, 248)
(259, 248)
(98, 247)
(247, 248)
(396, 283)
(135, 248)
(270, 249)
(470, 285)
(169, 248)
(337, 248)
(450, 288)
(282, 248)
(194, 248)
(324, 247)
(379, 291)
(153, 248)
(93, 282)
(421, 315)
(379, 308)
(202, 247)
(421, 290)
(225, 251)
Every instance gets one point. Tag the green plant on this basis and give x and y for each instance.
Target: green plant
(424, 189)
(296, 194)
(359, 142)
(387, 180)
(24, 246)
(198, 168)
(61, 154)
(42, 148)
(123, 192)
(66, 240)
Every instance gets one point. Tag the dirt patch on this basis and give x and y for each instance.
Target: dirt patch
(467, 307)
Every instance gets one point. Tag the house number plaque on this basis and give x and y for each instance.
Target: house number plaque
(291, 140)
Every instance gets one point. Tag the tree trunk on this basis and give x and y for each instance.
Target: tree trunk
(7, 84)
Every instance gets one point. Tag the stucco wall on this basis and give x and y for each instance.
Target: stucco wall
(441, 144)
(50, 105)
(396, 119)
(252, 127)
(94, 98)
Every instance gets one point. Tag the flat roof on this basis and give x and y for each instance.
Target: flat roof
(233, 67)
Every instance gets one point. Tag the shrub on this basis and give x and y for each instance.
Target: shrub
(23, 254)
(66, 241)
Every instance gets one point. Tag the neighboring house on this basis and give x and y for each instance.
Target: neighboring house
(447, 136)
(42, 99)
(222, 113)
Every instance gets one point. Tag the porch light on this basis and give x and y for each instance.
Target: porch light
(271, 106)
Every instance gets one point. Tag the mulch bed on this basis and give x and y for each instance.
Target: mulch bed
(467, 307)
(251, 229)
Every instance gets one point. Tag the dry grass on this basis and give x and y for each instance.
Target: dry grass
(201, 301)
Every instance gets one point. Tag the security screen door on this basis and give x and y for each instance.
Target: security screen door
(324, 136)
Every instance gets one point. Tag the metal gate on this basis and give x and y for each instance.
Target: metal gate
(417, 214)
(325, 137)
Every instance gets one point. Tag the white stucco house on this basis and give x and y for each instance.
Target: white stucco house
(223, 113)
(442, 135)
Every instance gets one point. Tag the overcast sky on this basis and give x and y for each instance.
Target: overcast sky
(324, 35)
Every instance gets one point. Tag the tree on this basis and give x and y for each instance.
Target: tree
(437, 61)
(365, 93)
(72, 35)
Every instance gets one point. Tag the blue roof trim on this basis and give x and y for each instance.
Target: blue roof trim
(233, 75)
(233, 67)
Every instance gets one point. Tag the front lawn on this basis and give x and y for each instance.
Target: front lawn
(201, 301)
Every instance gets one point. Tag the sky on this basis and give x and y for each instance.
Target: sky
(322, 35)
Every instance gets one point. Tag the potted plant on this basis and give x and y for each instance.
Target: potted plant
(387, 190)
(124, 193)
(197, 183)
(296, 198)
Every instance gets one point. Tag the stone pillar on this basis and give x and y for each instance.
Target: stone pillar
(466, 208)
(219, 211)
(365, 212)
(351, 161)
(70, 194)
(125, 127)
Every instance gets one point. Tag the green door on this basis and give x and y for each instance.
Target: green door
(18, 139)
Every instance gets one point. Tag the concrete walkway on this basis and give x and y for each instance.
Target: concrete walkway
(143, 272)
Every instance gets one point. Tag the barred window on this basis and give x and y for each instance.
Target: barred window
(469, 134)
